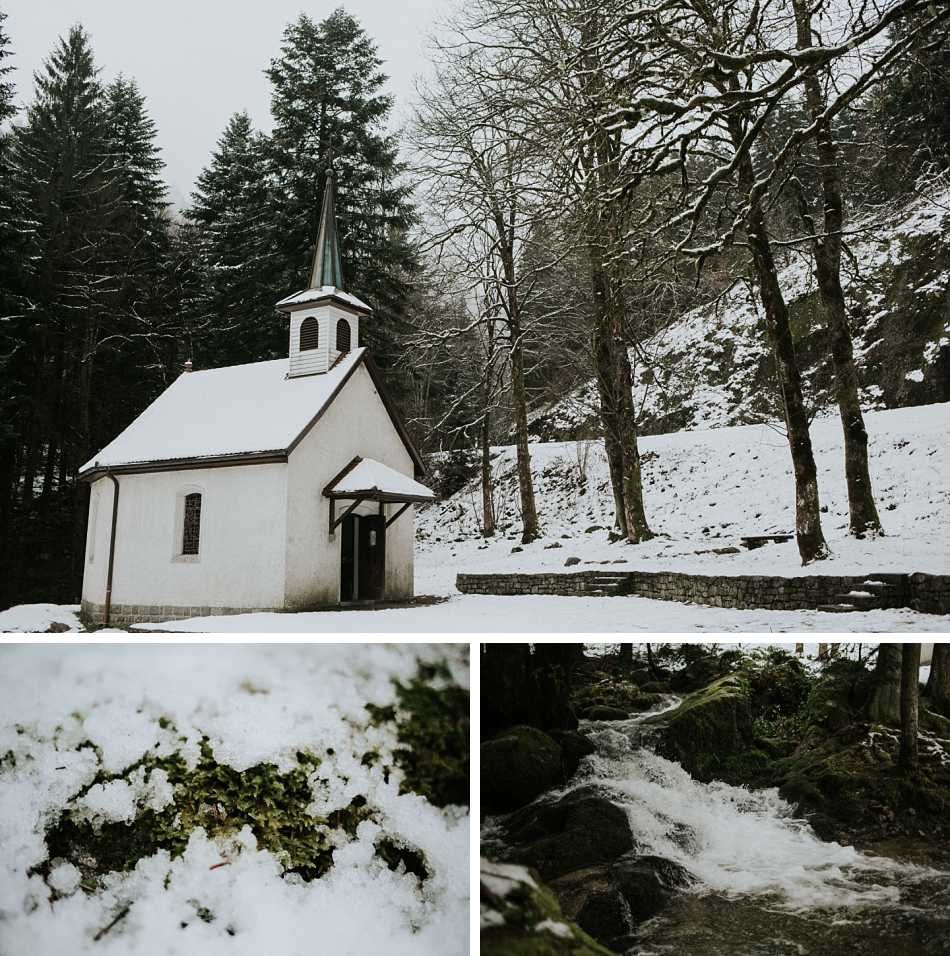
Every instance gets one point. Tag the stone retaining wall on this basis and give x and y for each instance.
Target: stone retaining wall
(923, 592)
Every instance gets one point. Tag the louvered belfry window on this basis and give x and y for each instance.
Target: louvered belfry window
(343, 336)
(309, 334)
(191, 530)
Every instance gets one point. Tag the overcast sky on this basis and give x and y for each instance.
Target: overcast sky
(199, 61)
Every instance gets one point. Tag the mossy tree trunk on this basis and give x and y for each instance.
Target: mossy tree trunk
(910, 692)
(938, 684)
(884, 705)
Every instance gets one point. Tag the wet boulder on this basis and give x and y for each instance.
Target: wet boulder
(648, 883)
(583, 828)
(519, 915)
(518, 765)
(609, 901)
(655, 687)
(710, 733)
(604, 712)
(574, 748)
(605, 691)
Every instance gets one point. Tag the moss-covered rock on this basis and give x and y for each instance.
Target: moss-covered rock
(851, 788)
(604, 689)
(710, 733)
(516, 766)
(521, 917)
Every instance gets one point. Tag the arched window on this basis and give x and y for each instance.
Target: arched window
(191, 526)
(343, 336)
(309, 334)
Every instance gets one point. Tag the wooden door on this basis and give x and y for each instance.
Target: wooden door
(372, 557)
(348, 559)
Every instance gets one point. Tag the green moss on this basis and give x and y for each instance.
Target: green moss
(522, 909)
(221, 800)
(432, 725)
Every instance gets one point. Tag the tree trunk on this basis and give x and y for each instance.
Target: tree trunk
(615, 387)
(938, 684)
(488, 504)
(864, 518)
(811, 541)
(884, 704)
(910, 691)
(626, 654)
(529, 514)
(651, 664)
(488, 501)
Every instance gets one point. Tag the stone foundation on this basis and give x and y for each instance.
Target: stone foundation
(929, 593)
(122, 615)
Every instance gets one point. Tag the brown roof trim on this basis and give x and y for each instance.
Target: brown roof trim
(421, 471)
(374, 494)
(342, 473)
(374, 374)
(320, 411)
(186, 464)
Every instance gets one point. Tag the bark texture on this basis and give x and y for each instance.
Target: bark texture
(808, 533)
(910, 693)
(864, 517)
(884, 704)
(938, 684)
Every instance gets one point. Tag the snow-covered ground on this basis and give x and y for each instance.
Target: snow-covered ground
(703, 490)
(68, 713)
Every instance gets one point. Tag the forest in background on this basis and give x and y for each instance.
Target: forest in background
(576, 175)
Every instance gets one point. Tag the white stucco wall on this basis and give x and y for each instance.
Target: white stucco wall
(357, 423)
(242, 544)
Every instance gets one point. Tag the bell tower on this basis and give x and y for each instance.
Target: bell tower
(324, 320)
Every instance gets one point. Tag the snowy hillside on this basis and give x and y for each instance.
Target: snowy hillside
(713, 367)
(703, 490)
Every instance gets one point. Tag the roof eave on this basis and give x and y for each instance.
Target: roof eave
(276, 456)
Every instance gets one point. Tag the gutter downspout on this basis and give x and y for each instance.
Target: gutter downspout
(115, 518)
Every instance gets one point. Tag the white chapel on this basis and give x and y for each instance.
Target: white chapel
(283, 485)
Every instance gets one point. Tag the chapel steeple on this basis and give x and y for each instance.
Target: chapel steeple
(327, 268)
(324, 320)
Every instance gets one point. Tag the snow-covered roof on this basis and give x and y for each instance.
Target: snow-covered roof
(238, 410)
(324, 292)
(369, 478)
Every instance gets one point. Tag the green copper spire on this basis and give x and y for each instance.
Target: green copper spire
(327, 269)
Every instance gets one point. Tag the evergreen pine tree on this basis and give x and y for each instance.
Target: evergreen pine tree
(328, 84)
(237, 254)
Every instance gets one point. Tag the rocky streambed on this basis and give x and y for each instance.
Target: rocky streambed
(630, 853)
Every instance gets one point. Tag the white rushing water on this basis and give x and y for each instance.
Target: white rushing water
(736, 842)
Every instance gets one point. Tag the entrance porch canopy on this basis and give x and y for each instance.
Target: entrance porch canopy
(365, 479)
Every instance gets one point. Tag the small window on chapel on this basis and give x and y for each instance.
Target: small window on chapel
(191, 528)
(343, 336)
(309, 334)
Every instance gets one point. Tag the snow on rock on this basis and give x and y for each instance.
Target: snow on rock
(713, 366)
(40, 618)
(254, 703)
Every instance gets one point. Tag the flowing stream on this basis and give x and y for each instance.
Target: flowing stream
(766, 885)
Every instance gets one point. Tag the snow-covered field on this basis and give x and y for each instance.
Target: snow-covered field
(704, 489)
(74, 715)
